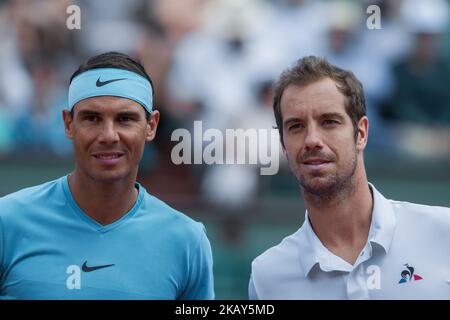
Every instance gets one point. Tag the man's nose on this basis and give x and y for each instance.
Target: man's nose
(108, 133)
(313, 138)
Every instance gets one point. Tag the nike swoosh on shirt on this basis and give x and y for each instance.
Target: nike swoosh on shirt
(100, 83)
(85, 268)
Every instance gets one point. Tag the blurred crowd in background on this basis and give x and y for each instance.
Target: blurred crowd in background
(215, 61)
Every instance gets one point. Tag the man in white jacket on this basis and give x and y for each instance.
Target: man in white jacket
(354, 243)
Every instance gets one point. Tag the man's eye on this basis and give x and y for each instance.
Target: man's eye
(92, 118)
(295, 126)
(330, 122)
(124, 119)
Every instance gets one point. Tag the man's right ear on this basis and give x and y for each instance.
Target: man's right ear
(68, 121)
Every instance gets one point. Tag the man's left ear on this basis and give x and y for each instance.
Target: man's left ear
(363, 133)
(152, 125)
(68, 120)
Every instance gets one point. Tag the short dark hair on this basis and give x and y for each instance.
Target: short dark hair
(116, 60)
(312, 69)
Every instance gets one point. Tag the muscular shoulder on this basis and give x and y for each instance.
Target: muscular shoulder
(22, 202)
(175, 223)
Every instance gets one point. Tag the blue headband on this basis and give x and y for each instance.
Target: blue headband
(111, 82)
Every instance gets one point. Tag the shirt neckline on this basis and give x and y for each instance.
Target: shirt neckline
(91, 222)
(381, 232)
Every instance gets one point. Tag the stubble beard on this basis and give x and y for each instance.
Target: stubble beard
(334, 187)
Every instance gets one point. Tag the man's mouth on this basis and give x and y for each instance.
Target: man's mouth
(315, 162)
(107, 155)
(314, 165)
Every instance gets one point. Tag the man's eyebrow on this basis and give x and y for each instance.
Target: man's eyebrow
(335, 115)
(88, 113)
(129, 114)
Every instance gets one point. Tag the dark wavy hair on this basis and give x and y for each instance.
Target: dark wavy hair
(311, 69)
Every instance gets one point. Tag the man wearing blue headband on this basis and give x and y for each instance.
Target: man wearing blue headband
(96, 233)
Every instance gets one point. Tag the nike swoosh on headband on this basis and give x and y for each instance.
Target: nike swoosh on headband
(100, 83)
